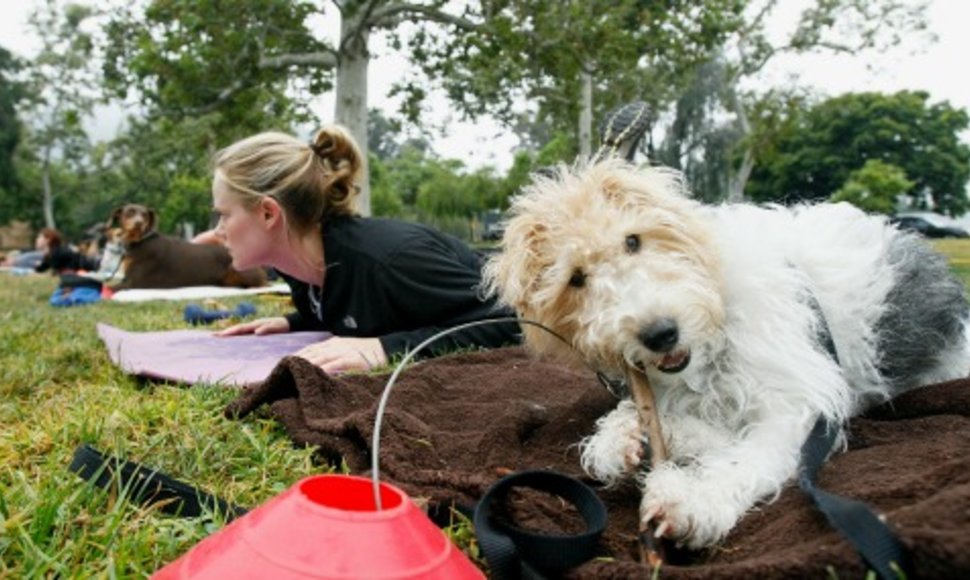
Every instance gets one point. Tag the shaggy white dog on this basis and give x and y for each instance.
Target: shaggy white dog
(727, 310)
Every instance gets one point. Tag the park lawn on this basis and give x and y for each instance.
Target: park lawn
(59, 389)
(958, 252)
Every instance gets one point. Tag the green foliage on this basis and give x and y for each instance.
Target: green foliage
(875, 187)
(385, 200)
(11, 92)
(822, 146)
(196, 69)
(536, 52)
(186, 58)
(714, 134)
(62, 91)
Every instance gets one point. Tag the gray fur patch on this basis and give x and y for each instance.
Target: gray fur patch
(925, 315)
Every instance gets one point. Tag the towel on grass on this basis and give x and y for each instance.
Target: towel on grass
(195, 356)
(455, 424)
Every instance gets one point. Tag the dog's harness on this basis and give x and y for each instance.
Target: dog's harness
(141, 240)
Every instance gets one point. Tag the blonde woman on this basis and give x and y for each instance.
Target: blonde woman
(379, 286)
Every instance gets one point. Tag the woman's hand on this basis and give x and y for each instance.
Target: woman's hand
(274, 325)
(341, 354)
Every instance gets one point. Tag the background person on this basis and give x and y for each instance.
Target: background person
(380, 286)
(59, 258)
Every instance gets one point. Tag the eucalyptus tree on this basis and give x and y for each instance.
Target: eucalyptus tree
(848, 27)
(62, 91)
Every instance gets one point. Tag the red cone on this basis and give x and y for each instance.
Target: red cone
(327, 526)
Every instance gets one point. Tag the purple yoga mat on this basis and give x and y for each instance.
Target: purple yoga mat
(195, 356)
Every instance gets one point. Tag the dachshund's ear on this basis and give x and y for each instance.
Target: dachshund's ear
(152, 220)
(114, 217)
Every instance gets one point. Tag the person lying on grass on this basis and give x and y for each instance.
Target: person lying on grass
(380, 286)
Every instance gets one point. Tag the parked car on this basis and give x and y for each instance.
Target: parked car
(927, 228)
(493, 225)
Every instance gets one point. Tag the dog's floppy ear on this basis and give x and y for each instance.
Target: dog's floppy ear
(512, 273)
(152, 219)
(113, 217)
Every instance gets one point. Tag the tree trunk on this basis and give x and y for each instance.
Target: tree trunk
(586, 115)
(739, 179)
(351, 102)
(48, 203)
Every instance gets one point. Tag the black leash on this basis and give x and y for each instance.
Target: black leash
(513, 553)
(870, 536)
(875, 543)
(148, 486)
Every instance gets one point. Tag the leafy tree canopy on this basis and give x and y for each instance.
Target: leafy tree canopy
(188, 58)
(11, 92)
(874, 187)
(537, 52)
(821, 146)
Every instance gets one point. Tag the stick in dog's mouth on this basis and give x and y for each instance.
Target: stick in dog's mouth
(650, 547)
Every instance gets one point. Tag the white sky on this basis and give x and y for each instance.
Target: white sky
(935, 68)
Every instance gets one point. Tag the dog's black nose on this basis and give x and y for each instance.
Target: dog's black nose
(661, 336)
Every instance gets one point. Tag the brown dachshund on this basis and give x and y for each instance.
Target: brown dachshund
(154, 260)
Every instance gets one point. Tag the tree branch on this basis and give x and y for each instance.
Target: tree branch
(221, 99)
(389, 15)
(322, 59)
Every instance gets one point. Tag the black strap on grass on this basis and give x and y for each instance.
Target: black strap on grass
(148, 486)
(512, 552)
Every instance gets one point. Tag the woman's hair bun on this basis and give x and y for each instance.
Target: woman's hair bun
(341, 158)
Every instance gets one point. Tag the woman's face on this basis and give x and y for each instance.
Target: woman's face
(41, 244)
(242, 230)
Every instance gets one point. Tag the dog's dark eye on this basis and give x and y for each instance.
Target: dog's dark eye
(578, 279)
(632, 244)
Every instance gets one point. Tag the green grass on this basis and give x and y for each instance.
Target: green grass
(59, 389)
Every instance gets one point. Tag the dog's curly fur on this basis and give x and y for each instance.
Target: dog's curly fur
(723, 308)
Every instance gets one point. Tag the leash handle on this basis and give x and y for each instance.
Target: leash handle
(512, 552)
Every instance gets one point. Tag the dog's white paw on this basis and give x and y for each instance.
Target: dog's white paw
(677, 505)
(617, 448)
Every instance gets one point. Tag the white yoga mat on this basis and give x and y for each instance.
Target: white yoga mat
(194, 293)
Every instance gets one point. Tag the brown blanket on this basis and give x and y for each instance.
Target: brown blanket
(456, 424)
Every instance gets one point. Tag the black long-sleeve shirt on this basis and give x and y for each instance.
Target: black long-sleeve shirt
(62, 259)
(401, 283)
